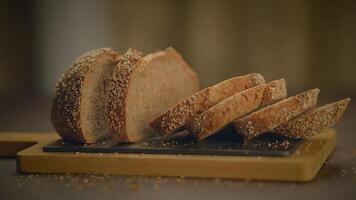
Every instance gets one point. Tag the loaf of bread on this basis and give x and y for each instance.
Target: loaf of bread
(79, 111)
(313, 122)
(177, 117)
(105, 95)
(130, 97)
(236, 106)
(143, 88)
(272, 116)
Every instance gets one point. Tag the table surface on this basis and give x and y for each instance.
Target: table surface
(337, 178)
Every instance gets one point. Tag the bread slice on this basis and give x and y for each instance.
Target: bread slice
(79, 104)
(236, 106)
(175, 118)
(313, 122)
(143, 88)
(274, 115)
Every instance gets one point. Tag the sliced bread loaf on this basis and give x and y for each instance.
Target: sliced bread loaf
(313, 122)
(79, 109)
(143, 88)
(274, 115)
(176, 117)
(236, 106)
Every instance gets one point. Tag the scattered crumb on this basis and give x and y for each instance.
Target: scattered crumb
(307, 146)
(343, 172)
(105, 189)
(134, 186)
(325, 184)
(156, 186)
(344, 154)
(217, 181)
(180, 180)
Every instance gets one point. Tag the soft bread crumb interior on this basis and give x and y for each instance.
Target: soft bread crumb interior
(154, 88)
(94, 109)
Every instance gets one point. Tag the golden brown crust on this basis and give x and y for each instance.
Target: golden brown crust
(236, 106)
(65, 111)
(119, 87)
(313, 122)
(270, 117)
(181, 113)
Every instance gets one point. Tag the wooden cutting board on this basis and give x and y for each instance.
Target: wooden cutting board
(302, 165)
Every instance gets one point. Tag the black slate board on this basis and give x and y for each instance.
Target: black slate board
(224, 143)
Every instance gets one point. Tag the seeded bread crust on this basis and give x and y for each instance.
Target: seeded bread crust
(268, 118)
(120, 84)
(236, 106)
(65, 111)
(180, 114)
(119, 88)
(313, 122)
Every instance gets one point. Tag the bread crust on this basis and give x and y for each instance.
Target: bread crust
(65, 110)
(236, 106)
(180, 114)
(268, 118)
(119, 88)
(315, 121)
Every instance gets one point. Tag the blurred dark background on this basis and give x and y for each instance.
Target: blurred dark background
(311, 43)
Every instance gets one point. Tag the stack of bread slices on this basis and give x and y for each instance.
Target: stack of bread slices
(130, 97)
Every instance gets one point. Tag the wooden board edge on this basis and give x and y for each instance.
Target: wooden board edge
(303, 165)
(326, 145)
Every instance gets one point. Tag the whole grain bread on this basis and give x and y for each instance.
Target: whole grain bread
(78, 110)
(143, 88)
(314, 121)
(175, 118)
(236, 106)
(272, 116)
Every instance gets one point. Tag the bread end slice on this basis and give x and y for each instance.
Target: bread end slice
(77, 114)
(315, 121)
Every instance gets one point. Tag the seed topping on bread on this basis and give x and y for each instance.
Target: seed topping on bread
(314, 121)
(119, 86)
(65, 112)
